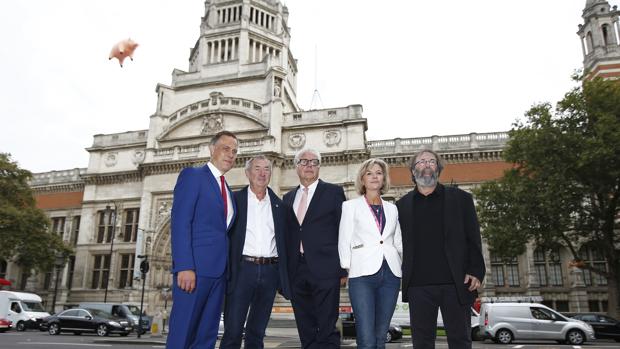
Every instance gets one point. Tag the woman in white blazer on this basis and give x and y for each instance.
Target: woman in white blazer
(370, 248)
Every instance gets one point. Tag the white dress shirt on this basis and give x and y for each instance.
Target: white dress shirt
(260, 237)
(300, 191)
(217, 174)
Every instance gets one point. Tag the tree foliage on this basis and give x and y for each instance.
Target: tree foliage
(564, 187)
(24, 229)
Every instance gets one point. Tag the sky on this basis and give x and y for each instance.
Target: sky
(418, 68)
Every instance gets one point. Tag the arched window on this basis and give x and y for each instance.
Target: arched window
(505, 271)
(548, 267)
(593, 256)
(606, 32)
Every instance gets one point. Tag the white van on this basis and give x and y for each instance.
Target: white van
(24, 310)
(505, 322)
(401, 318)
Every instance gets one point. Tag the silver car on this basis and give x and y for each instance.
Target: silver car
(505, 322)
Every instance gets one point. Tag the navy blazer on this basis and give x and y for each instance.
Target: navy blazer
(198, 230)
(462, 240)
(237, 239)
(319, 232)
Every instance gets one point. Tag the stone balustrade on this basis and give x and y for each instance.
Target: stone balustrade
(472, 141)
(57, 177)
(117, 139)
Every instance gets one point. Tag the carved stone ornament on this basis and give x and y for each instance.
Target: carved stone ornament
(332, 137)
(212, 123)
(164, 208)
(297, 140)
(138, 156)
(110, 159)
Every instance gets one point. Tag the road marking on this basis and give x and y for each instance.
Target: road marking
(576, 347)
(74, 344)
(518, 346)
(158, 346)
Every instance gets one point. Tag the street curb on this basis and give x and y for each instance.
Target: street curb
(129, 341)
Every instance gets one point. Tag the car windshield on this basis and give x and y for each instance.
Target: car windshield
(32, 306)
(100, 313)
(134, 310)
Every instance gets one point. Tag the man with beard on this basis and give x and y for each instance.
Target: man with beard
(442, 255)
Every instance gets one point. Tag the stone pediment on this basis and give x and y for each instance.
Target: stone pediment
(212, 115)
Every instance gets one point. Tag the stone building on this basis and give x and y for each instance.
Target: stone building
(242, 77)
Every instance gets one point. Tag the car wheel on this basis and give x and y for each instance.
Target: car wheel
(54, 329)
(575, 337)
(102, 330)
(21, 326)
(504, 336)
(388, 337)
(475, 334)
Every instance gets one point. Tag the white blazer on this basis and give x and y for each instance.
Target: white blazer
(361, 245)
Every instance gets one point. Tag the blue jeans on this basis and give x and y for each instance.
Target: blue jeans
(255, 291)
(373, 298)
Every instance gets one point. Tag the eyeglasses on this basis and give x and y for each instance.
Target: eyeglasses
(308, 162)
(430, 162)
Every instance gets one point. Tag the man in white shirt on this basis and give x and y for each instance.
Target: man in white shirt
(257, 260)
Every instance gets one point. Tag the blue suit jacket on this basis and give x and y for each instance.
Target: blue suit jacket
(199, 238)
(319, 232)
(237, 239)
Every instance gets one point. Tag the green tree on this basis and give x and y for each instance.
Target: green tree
(24, 229)
(564, 186)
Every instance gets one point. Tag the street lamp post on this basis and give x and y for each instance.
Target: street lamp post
(144, 268)
(59, 262)
(109, 211)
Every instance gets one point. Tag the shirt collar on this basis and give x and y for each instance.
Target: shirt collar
(253, 197)
(214, 170)
(311, 187)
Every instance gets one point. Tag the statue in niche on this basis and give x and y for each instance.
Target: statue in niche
(332, 138)
(277, 88)
(163, 212)
(212, 124)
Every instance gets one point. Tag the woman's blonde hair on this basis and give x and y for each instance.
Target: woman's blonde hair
(359, 183)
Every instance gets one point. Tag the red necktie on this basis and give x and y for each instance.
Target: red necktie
(224, 197)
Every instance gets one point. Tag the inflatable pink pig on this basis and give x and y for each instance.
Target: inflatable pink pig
(122, 50)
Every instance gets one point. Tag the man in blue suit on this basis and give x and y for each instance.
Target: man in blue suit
(202, 212)
(312, 247)
(257, 259)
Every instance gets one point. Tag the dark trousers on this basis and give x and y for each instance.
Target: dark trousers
(315, 303)
(423, 304)
(195, 316)
(255, 291)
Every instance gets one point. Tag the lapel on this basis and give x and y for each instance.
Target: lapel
(289, 198)
(233, 203)
(446, 212)
(275, 212)
(213, 185)
(242, 220)
(369, 216)
(314, 203)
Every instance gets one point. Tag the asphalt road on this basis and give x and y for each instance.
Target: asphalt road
(278, 337)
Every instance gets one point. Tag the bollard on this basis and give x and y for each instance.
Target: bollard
(156, 326)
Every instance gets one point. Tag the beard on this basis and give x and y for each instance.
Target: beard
(426, 177)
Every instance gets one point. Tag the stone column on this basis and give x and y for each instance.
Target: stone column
(226, 57)
(234, 49)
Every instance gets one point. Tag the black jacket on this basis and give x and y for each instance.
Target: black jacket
(462, 240)
(319, 232)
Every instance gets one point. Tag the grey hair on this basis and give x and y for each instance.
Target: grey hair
(248, 164)
(440, 162)
(307, 150)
